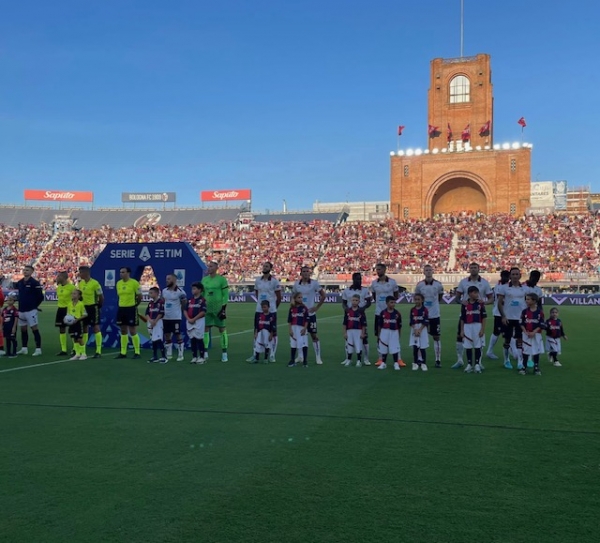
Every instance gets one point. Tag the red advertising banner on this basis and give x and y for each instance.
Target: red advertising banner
(225, 195)
(58, 195)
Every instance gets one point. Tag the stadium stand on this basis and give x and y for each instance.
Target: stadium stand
(117, 218)
(565, 244)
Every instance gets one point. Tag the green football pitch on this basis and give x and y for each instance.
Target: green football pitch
(124, 451)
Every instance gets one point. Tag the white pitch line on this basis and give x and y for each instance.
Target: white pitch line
(68, 360)
(37, 365)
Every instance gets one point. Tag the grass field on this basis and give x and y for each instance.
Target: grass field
(123, 451)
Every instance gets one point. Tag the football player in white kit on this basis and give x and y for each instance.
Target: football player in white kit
(498, 326)
(432, 291)
(511, 302)
(267, 287)
(486, 294)
(381, 288)
(175, 301)
(310, 288)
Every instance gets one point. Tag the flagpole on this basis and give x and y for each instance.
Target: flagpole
(462, 27)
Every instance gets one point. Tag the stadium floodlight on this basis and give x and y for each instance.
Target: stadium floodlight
(516, 145)
(444, 150)
(418, 152)
(426, 152)
(487, 147)
(400, 153)
(506, 146)
(496, 147)
(409, 152)
(478, 148)
(435, 151)
(392, 153)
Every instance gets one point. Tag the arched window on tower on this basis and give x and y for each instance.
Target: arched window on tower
(460, 89)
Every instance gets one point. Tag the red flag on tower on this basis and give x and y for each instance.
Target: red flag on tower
(485, 129)
(449, 132)
(466, 133)
(522, 122)
(400, 128)
(433, 130)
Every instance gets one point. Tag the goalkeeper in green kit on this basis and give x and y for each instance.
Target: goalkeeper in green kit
(216, 292)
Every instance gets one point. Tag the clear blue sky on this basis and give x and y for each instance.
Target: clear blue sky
(295, 100)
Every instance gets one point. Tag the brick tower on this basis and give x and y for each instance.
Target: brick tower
(461, 169)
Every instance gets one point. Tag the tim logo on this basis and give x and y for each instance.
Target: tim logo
(145, 254)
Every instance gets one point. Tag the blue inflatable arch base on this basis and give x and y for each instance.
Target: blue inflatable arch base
(164, 258)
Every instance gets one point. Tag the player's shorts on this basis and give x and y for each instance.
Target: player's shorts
(157, 331)
(128, 316)
(28, 318)
(59, 320)
(196, 330)
(297, 340)
(435, 327)
(261, 342)
(312, 323)
(93, 315)
(76, 330)
(376, 320)
(171, 326)
(513, 330)
(211, 319)
(421, 341)
(274, 315)
(553, 345)
(533, 345)
(472, 340)
(389, 341)
(354, 343)
(498, 326)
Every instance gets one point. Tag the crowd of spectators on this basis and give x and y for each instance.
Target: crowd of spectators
(21, 244)
(552, 243)
(404, 246)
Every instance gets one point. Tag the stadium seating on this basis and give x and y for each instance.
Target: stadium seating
(555, 243)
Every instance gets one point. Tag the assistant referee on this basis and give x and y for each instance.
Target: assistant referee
(130, 296)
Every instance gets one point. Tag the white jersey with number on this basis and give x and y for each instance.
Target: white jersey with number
(514, 300)
(363, 292)
(173, 299)
(431, 292)
(496, 311)
(308, 290)
(482, 284)
(265, 289)
(381, 290)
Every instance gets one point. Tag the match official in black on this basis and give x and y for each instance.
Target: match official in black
(31, 296)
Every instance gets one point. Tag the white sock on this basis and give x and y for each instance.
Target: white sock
(317, 347)
(274, 345)
(180, 348)
(437, 347)
(366, 351)
(506, 354)
(459, 351)
(169, 348)
(493, 340)
(513, 348)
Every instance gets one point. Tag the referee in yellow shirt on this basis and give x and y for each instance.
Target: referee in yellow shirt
(64, 289)
(130, 296)
(93, 299)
